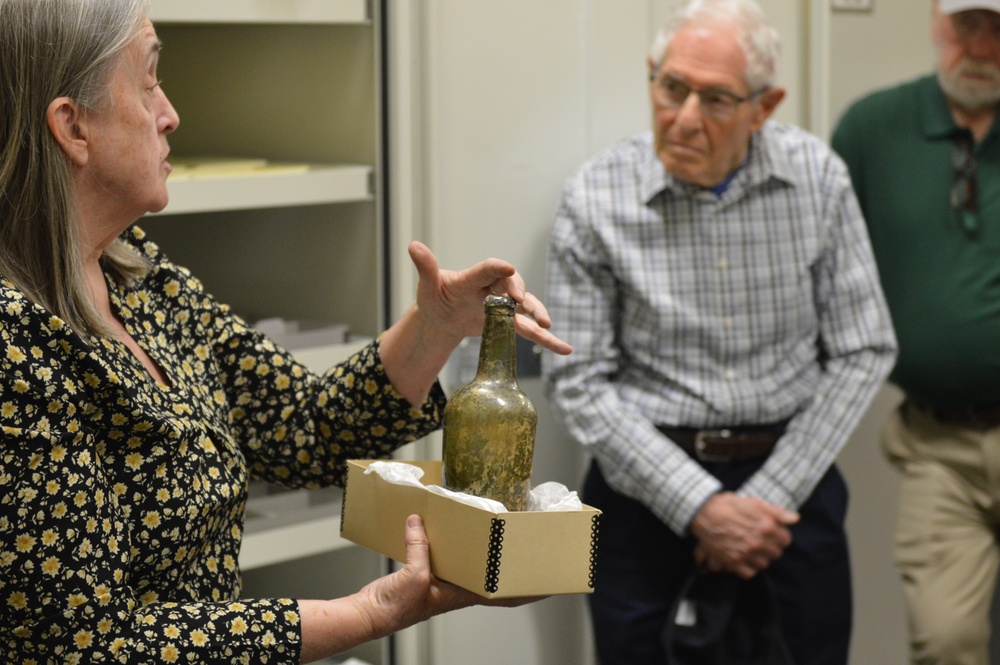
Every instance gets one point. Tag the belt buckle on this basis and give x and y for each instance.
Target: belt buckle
(701, 444)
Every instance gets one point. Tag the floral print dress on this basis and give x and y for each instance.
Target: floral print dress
(122, 499)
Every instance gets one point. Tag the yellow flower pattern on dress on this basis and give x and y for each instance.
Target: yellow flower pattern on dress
(122, 500)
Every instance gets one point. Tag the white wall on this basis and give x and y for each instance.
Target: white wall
(873, 49)
(514, 95)
(502, 100)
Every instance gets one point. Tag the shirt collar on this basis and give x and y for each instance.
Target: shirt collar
(936, 120)
(935, 114)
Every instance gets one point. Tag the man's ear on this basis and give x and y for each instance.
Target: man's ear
(769, 100)
(66, 123)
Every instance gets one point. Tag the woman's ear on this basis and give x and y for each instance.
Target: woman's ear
(66, 124)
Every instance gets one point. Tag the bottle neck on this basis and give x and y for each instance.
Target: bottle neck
(497, 355)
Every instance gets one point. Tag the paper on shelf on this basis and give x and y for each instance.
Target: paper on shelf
(210, 163)
(229, 167)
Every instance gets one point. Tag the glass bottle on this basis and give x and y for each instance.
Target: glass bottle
(489, 424)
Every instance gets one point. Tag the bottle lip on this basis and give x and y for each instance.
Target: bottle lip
(505, 302)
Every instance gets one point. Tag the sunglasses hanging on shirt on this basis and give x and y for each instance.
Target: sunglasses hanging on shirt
(963, 182)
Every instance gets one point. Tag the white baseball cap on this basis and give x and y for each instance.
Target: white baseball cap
(955, 6)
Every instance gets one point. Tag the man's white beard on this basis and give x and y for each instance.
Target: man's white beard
(971, 95)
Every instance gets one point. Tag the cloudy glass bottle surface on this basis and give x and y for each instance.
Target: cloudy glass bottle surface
(489, 424)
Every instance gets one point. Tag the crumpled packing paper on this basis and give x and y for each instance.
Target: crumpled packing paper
(548, 496)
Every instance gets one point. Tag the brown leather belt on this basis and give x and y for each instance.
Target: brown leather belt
(726, 444)
(981, 417)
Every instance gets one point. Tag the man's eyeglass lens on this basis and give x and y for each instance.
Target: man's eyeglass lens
(718, 104)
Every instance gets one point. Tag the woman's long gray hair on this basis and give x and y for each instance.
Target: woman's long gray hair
(51, 49)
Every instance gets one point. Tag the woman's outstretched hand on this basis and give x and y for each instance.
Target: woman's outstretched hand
(449, 308)
(454, 299)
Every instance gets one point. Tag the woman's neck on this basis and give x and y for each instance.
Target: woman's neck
(97, 285)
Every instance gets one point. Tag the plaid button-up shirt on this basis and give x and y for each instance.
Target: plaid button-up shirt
(694, 309)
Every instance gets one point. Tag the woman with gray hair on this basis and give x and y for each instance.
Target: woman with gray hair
(134, 408)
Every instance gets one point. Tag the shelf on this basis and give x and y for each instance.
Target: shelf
(291, 524)
(318, 185)
(295, 85)
(321, 358)
(260, 11)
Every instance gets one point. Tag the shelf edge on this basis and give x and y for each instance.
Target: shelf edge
(351, 12)
(319, 185)
(292, 542)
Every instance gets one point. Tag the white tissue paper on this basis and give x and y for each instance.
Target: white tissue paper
(402, 473)
(397, 472)
(545, 497)
(553, 496)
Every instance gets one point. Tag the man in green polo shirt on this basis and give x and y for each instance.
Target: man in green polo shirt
(925, 161)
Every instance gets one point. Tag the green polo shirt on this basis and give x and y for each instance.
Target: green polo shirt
(941, 281)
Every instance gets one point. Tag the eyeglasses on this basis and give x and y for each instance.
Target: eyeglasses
(962, 194)
(671, 92)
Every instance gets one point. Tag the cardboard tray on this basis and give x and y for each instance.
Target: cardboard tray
(496, 555)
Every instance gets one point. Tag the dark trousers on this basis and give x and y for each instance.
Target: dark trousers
(641, 565)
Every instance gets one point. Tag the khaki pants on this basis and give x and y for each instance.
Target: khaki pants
(946, 544)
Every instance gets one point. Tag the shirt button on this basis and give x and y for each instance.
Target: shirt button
(730, 375)
(727, 322)
(723, 264)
